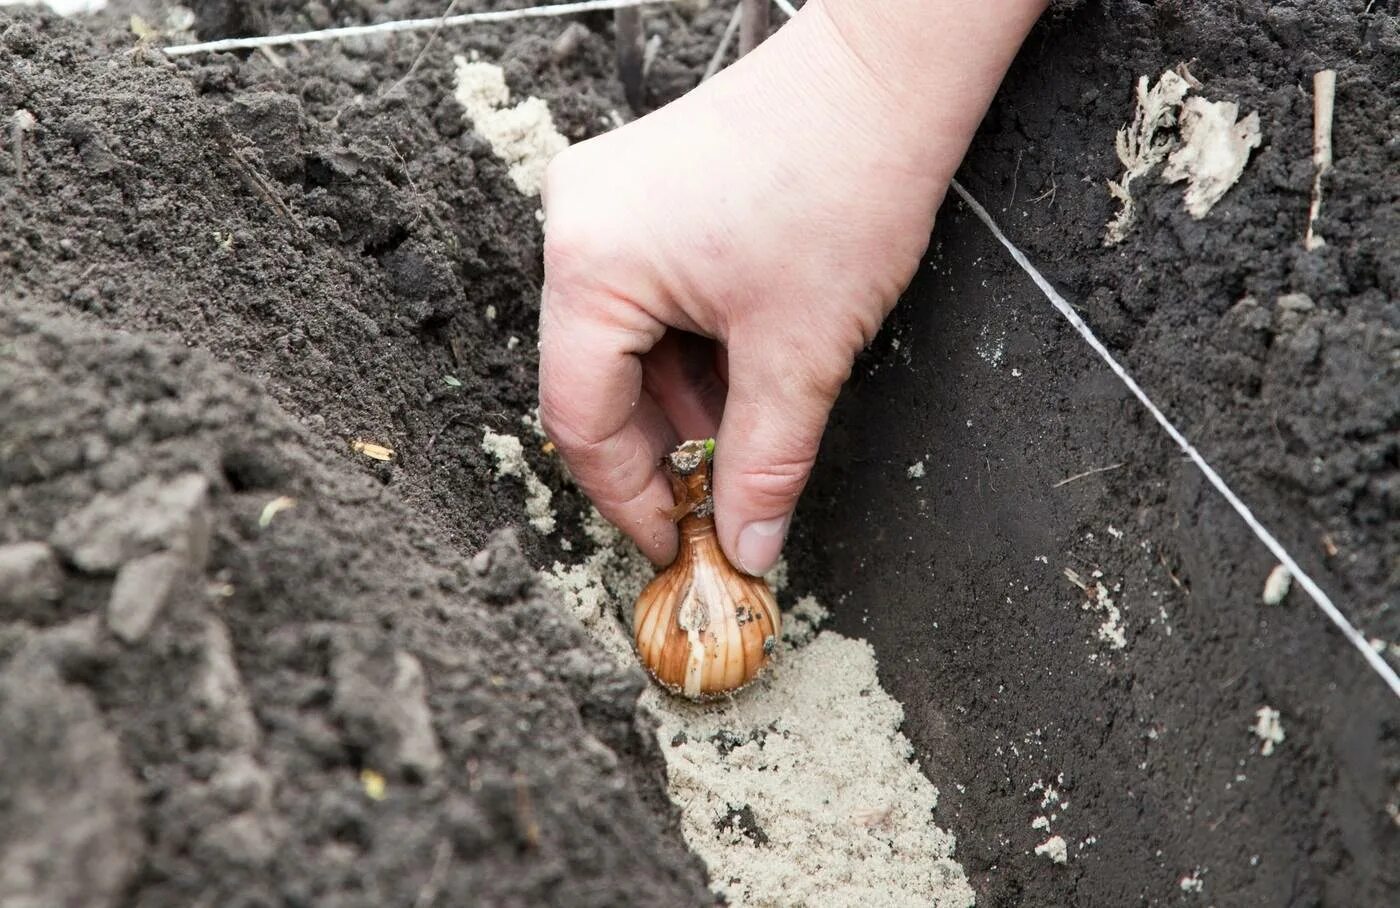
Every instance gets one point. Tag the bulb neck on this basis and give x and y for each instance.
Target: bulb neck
(693, 528)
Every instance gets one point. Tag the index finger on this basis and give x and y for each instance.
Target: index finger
(609, 431)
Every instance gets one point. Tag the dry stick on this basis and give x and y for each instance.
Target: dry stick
(567, 44)
(725, 40)
(407, 25)
(418, 58)
(262, 188)
(1069, 479)
(429, 891)
(649, 55)
(1324, 94)
(21, 124)
(753, 25)
(631, 49)
(358, 101)
(1319, 596)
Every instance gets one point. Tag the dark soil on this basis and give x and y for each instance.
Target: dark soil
(330, 245)
(1004, 681)
(328, 235)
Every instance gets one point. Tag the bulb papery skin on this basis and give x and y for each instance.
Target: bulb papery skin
(702, 627)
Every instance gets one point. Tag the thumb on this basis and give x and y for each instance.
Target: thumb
(778, 403)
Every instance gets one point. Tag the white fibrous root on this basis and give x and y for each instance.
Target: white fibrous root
(1215, 146)
(1210, 153)
(1143, 145)
(702, 627)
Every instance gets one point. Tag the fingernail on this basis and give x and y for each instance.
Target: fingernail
(760, 544)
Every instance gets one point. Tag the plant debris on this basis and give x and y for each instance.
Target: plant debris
(275, 507)
(1214, 149)
(373, 784)
(1141, 146)
(1210, 153)
(1269, 729)
(1324, 98)
(372, 450)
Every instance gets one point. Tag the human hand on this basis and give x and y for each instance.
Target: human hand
(714, 268)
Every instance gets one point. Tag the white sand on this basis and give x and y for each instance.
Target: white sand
(834, 811)
(1268, 729)
(523, 135)
(509, 455)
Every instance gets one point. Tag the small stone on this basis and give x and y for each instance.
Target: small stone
(243, 841)
(500, 572)
(1295, 302)
(151, 516)
(29, 575)
(222, 714)
(381, 702)
(241, 784)
(141, 592)
(418, 750)
(1291, 310)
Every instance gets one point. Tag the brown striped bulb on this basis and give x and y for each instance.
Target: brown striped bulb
(703, 628)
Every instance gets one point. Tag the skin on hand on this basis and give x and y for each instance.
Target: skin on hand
(713, 268)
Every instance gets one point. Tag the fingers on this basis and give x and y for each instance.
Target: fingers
(610, 433)
(679, 373)
(780, 395)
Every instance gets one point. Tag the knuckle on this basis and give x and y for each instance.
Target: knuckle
(821, 372)
(777, 482)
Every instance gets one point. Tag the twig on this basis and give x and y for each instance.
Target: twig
(1069, 479)
(525, 820)
(1049, 193)
(413, 67)
(753, 25)
(1324, 94)
(1176, 581)
(725, 40)
(20, 124)
(649, 55)
(1015, 174)
(627, 24)
(429, 893)
(451, 421)
(406, 25)
(567, 44)
(262, 188)
(272, 57)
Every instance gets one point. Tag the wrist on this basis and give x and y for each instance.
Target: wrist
(933, 65)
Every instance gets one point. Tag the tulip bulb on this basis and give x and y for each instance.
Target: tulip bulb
(703, 628)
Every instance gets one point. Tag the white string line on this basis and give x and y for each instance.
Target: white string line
(407, 25)
(1382, 667)
(1323, 601)
(788, 9)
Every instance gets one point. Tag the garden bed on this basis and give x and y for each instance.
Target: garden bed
(219, 274)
